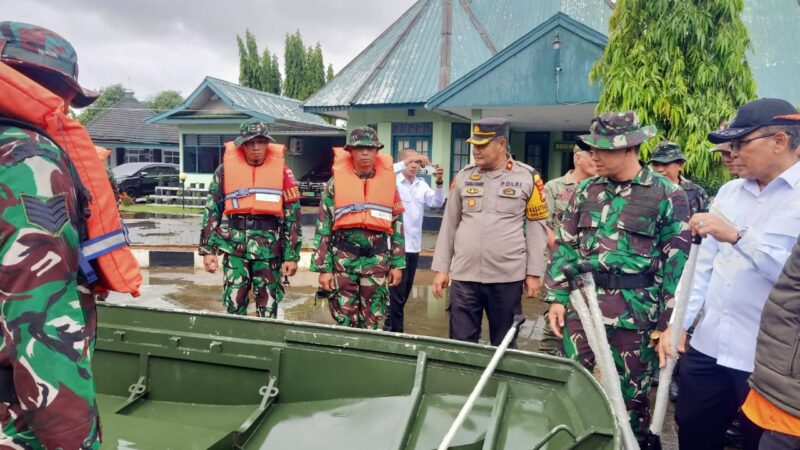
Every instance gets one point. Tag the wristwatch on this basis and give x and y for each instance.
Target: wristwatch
(739, 235)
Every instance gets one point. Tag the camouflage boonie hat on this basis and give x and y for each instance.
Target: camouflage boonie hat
(615, 130)
(252, 128)
(31, 46)
(667, 152)
(363, 137)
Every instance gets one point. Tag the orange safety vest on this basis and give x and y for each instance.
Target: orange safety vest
(363, 203)
(253, 190)
(106, 248)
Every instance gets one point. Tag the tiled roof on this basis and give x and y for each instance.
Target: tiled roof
(124, 123)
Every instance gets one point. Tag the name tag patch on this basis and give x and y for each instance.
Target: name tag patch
(273, 198)
(382, 215)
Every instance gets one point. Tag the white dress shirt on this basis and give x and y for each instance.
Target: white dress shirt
(732, 282)
(415, 195)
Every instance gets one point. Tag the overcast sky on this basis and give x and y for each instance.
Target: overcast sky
(154, 45)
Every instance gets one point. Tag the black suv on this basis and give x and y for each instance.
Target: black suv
(313, 183)
(139, 179)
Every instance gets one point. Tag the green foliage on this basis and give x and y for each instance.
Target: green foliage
(314, 73)
(108, 96)
(329, 74)
(126, 200)
(294, 61)
(271, 72)
(681, 65)
(248, 62)
(164, 101)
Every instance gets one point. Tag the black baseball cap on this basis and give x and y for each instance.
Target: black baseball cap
(754, 115)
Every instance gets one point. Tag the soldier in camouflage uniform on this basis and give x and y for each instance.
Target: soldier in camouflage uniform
(668, 160)
(558, 192)
(258, 249)
(630, 223)
(47, 393)
(357, 265)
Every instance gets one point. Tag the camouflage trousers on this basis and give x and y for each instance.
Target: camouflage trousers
(48, 345)
(550, 343)
(360, 301)
(635, 364)
(242, 275)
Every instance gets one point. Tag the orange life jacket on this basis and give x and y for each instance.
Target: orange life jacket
(106, 248)
(363, 203)
(253, 190)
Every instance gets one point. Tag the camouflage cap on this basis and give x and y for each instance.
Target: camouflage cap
(667, 152)
(250, 129)
(363, 137)
(33, 47)
(615, 130)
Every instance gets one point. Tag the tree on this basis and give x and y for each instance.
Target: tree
(164, 101)
(271, 73)
(329, 75)
(294, 58)
(109, 95)
(249, 61)
(681, 65)
(314, 71)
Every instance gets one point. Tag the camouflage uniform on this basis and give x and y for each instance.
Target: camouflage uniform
(698, 198)
(667, 152)
(361, 294)
(48, 313)
(558, 191)
(623, 229)
(252, 257)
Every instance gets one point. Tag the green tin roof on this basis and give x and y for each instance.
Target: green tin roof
(436, 42)
(220, 101)
(532, 55)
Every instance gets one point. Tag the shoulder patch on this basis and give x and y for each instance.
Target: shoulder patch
(525, 166)
(537, 204)
(50, 215)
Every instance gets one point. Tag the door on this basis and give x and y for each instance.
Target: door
(537, 151)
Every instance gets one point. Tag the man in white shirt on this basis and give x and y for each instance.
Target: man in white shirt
(415, 194)
(748, 235)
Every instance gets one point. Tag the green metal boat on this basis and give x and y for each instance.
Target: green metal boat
(193, 380)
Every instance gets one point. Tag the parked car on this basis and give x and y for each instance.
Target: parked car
(139, 179)
(313, 183)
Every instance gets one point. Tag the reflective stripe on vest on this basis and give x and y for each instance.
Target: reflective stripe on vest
(245, 192)
(360, 207)
(99, 246)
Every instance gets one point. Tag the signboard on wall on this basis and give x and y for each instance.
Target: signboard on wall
(295, 147)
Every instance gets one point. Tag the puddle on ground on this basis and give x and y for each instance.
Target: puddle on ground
(151, 215)
(424, 314)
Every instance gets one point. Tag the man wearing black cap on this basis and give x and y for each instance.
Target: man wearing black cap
(749, 232)
(492, 237)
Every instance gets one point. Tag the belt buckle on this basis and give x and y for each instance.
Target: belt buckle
(242, 192)
(250, 223)
(359, 207)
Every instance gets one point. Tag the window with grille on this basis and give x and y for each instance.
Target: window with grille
(459, 148)
(202, 153)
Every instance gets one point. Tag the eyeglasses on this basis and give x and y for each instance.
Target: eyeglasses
(737, 145)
